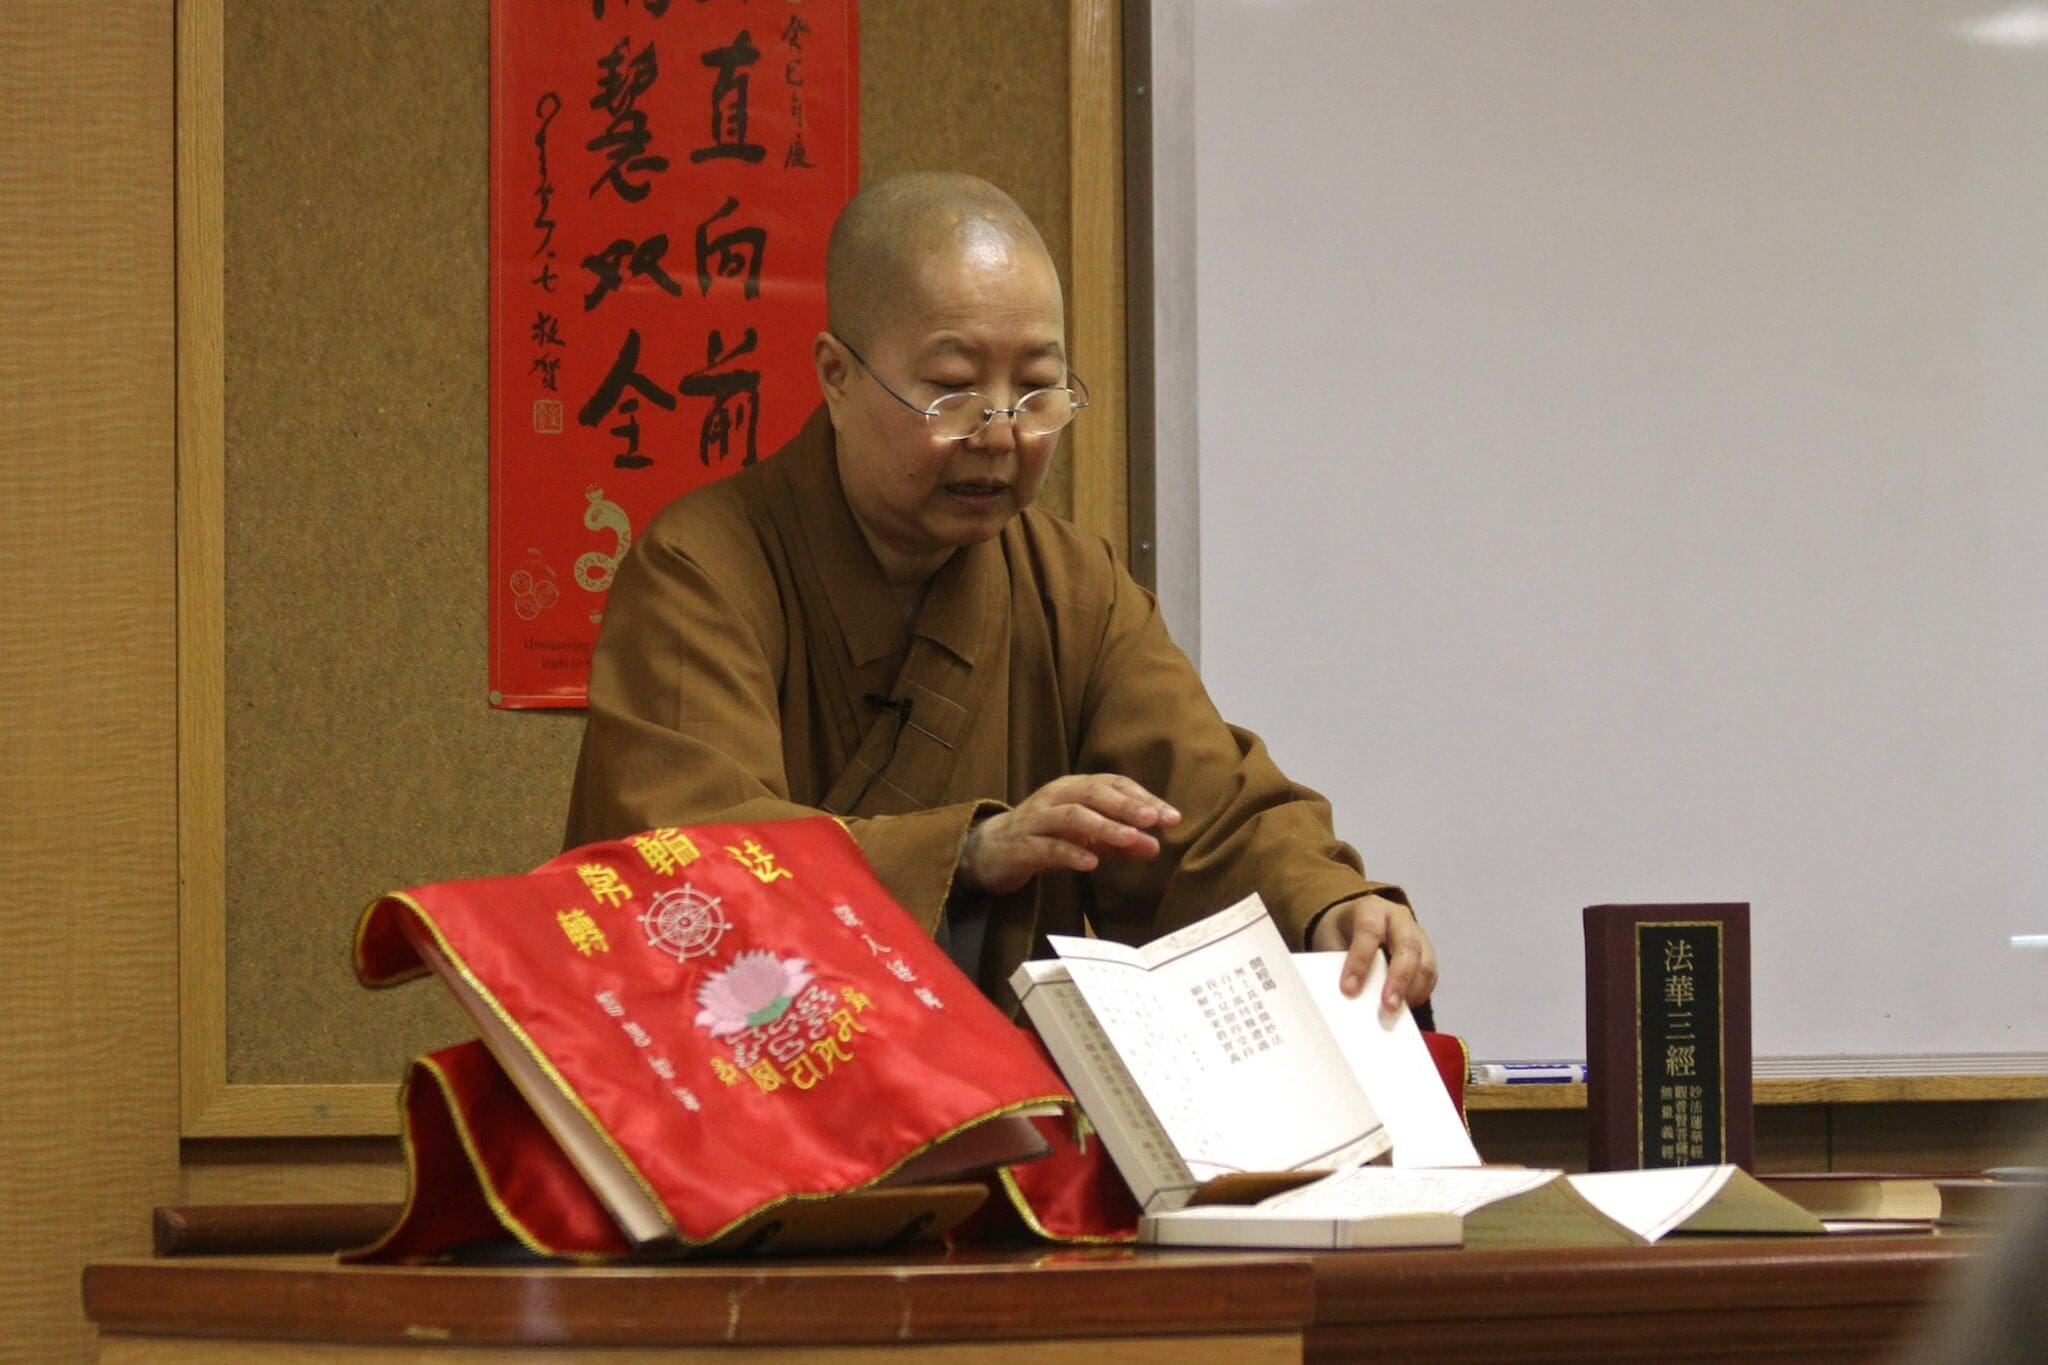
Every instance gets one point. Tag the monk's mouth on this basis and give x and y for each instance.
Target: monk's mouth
(977, 490)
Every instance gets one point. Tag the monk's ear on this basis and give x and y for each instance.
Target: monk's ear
(834, 366)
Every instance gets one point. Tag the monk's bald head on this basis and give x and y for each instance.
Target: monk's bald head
(893, 231)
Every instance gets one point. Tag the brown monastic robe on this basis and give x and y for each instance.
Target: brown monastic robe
(754, 665)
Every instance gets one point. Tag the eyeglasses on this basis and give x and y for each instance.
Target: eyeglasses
(961, 416)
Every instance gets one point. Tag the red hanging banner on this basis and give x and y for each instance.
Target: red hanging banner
(664, 174)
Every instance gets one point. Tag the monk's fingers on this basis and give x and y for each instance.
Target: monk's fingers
(1373, 924)
(1113, 795)
(1411, 961)
(1137, 805)
(1051, 829)
(1366, 930)
(1008, 850)
(1045, 852)
(1423, 985)
(1091, 829)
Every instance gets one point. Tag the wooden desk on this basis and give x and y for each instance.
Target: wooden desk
(1810, 1298)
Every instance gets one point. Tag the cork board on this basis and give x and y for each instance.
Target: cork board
(361, 754)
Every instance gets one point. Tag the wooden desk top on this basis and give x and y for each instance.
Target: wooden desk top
(1815, 1297)
(935, 1296)
(1810, 1298)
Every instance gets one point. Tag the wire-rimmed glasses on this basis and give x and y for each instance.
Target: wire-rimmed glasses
(961, 416)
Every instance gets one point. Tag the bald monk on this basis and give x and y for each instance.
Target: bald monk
(876, 622)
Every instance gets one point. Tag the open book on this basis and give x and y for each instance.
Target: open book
(1242, 1096)
(1491, 1207)
(1214, 1052)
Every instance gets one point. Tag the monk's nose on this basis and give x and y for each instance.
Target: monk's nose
(999, 437)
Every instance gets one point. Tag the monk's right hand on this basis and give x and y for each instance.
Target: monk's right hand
(1069, 822)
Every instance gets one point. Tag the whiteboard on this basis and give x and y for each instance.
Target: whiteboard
(1619, 439)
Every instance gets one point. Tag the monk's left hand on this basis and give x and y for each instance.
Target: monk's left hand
(1361, 927)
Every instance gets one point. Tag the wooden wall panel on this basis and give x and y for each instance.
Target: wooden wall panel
(1098, 449)
(292, 1171)
(88, 1060)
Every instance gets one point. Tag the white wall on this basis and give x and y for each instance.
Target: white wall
(1623, 477)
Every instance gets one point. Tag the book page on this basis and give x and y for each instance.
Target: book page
(1497, 1207)
(1237, 1225)
(1391, 1063)
(1652, 1203)
(1744, 1204)
(1369, 1191)
(1110, 1098)
(1228, 1048)
(1500, 1206)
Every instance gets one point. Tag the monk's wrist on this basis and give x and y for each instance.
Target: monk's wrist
(969, 876)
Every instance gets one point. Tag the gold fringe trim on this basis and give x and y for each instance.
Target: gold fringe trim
(413, 973)
(499, 1209)
(1030, 1217)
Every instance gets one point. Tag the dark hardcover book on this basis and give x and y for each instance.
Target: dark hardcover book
(1667, 1036)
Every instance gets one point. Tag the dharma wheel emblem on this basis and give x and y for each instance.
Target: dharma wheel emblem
(684, 922)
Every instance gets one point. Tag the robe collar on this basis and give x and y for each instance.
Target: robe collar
(964, 604)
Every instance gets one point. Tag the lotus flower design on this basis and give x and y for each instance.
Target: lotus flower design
(755, 988)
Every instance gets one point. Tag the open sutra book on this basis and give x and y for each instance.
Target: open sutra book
(1245, 1099)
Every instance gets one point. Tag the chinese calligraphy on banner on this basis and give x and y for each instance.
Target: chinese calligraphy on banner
(664, 174)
